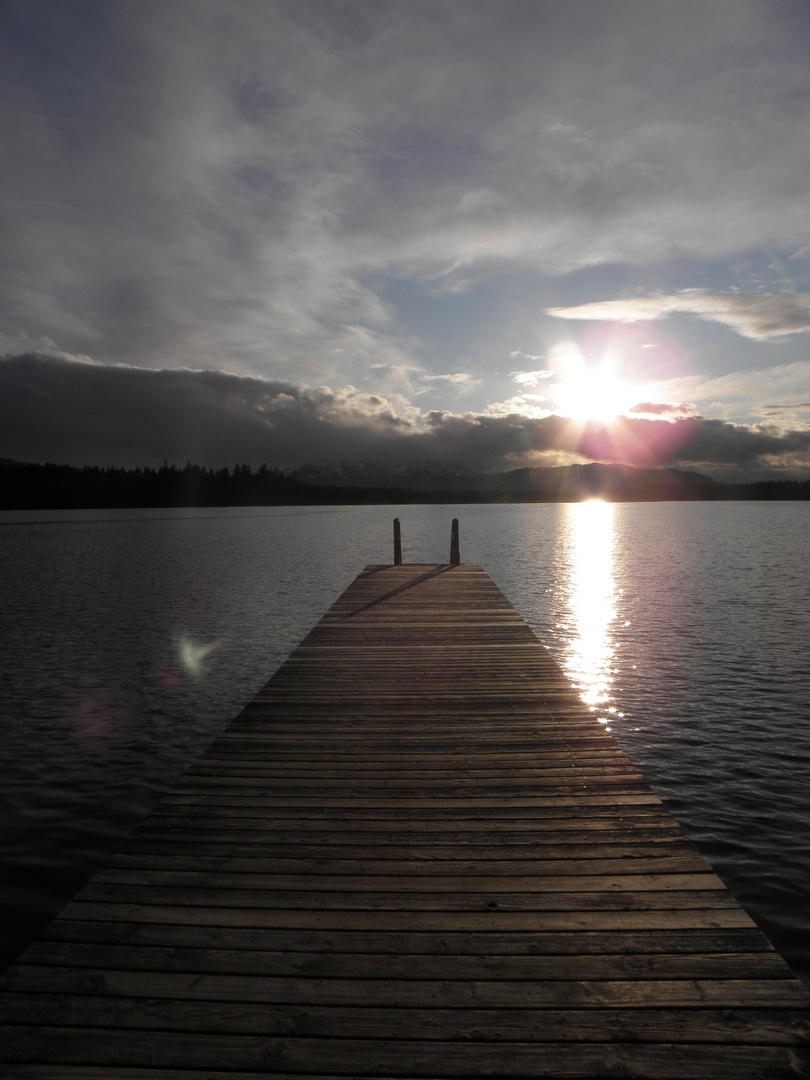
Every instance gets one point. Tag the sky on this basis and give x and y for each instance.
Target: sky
(495, 233)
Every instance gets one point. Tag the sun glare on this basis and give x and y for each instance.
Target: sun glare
(585, 391)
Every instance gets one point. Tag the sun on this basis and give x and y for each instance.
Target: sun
(588, 392)
(596, 395)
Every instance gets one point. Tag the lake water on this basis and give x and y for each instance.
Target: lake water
(131, 637)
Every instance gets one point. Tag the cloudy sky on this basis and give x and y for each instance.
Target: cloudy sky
(491, 232)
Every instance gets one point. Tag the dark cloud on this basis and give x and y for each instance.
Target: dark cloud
(60, 410)
(76, 413)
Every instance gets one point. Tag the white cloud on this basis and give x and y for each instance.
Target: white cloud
(458, 379)
(752, 316)
(531, 378)
(525, 405)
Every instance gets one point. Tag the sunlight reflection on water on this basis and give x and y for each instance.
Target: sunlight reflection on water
(590, 534)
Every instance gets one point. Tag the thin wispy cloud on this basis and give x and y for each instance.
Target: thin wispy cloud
(751, 316)
(458, 378)
(661, 409)
(519, 354)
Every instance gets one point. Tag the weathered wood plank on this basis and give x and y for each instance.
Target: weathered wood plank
(412, 920)
(287, 1057)
(334, 901)
(412, 992)
(617, 966)
(582, 877)
(568, 814)
(599, 1025)
(450, 802)
(384, 863)
(692, 940)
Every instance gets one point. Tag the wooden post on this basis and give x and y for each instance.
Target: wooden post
(455, 558)
(397, 544)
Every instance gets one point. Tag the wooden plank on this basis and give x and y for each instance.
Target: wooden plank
(416, 919)
(304, 902)
(300, 1057)
(545, 817)
(691, 939)
(573, 802)
(587, 876)
(669, 1025)
(474, 857)
(413, 992)
(416, 853)
(354, 862)
(440, 965)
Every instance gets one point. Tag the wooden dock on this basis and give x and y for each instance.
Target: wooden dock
(415, 854)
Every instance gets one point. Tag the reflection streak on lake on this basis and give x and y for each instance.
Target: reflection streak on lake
(589, 656)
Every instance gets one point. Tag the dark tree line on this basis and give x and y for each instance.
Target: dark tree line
(25, 486)
(28, 486)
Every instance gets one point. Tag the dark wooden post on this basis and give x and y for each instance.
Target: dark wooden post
(455, 558)
(397, 544)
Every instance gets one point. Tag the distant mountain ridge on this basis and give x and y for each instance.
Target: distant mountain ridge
(419, 476)
(557, 482)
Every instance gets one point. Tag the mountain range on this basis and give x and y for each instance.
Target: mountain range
(566, 482)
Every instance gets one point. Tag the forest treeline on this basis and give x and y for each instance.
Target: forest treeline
(32, 486)
(27, 486)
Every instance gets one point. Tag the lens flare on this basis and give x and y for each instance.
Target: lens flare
(192, 655)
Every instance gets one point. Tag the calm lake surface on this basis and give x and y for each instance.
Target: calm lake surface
(131, 637)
